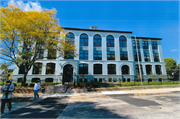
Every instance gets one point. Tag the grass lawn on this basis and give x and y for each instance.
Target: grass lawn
(105, 85)
(118, 84)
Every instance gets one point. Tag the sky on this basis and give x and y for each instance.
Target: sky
(158, 19)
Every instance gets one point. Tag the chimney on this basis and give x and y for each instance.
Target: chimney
(93, 27)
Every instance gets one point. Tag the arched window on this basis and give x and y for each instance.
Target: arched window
(36, 79)
(148, 69)
(97, 68)
(50, 68)
(158, 69)
(111, 69)
(69, 39)
(110, 41)
(122, 42)
(84, 40)
(137, 69)
(97, 41)
(37, 68)
(125, 69)
(83, 68)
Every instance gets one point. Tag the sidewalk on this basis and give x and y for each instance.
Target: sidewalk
(140, 92)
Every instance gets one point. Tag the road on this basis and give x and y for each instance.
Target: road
(48, 108)
(127, 107)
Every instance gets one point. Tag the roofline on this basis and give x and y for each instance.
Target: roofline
(79, 29)
(147, 38)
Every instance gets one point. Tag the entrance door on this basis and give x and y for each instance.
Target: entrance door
(67, 73)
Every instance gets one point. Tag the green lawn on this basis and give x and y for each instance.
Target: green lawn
(122, 84)
(108, 84)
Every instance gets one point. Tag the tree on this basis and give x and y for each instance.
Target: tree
(25, 35)
(171, 65)
(8, 71)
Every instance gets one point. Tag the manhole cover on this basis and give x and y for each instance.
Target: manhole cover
(154, 107)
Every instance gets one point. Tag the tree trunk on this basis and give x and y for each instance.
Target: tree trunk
(24, 79)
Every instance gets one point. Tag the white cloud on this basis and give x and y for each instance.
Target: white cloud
(26, 6)
(173, 50)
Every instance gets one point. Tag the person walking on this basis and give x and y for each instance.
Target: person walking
(7, 91)
(36, 89)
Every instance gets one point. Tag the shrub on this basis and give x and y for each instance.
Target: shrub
(31, 85)
(114, 80)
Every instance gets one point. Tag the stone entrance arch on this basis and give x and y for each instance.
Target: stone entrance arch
(67, 73)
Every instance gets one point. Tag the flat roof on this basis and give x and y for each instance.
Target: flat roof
(96, 30)
(147, 38)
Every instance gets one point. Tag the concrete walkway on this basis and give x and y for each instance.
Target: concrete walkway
(140, 92)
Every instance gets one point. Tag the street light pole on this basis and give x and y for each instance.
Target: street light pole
(138, 61)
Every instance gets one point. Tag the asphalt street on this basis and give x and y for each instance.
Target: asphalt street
(127, 107)
(47, 108)
(112, 106)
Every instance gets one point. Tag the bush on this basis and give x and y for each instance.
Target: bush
(31, 85)
(114, 80)
(26, 84)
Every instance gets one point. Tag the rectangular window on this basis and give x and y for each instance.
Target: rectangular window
(146, 56)
(100, 79)
(51, 54)
(84, 42)
(21, 69)
(158, 69)
(154, 45)
(145, 44)
(83, 69)
(148, 69)
(134, 44)
(135, 56)
(83, 55)
(37, 68)
(156, 57)
(110, 55)
(110, 42)
(124, 55)
(97, 42)
(123, 43)
(50, 68)
(97, 55)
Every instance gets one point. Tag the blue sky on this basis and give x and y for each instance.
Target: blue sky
(159, 19)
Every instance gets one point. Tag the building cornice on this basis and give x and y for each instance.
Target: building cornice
(94, 30)
(146, 38)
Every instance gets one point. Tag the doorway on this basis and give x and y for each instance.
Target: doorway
(67, 73)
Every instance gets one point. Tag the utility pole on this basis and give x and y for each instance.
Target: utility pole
(138, 61)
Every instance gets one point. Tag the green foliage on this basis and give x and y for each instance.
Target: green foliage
(114, 79)
(25, 35)
(8, 72)
(171, 65)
